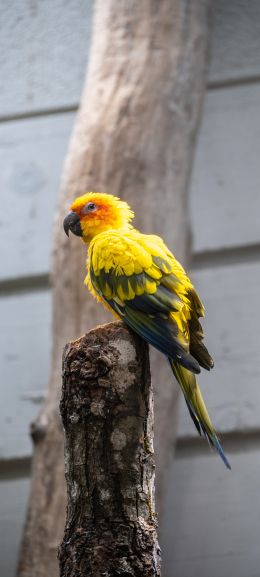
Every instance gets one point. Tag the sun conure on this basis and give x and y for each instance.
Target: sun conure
(137, 277)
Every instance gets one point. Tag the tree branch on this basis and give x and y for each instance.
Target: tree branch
(107, 413)
(134, 137)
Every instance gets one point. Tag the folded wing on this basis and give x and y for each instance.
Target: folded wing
(141, 281)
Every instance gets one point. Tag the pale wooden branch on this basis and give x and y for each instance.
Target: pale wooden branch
(107, 413)
(134, 137)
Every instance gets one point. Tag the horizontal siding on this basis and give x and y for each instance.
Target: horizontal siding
(24, 359)
(31, 156)
(211, 523)
(231, 389)
(13, 503)
(235, 44)
(225, 199)
(46, 48)
(44, 67)
(30, 179)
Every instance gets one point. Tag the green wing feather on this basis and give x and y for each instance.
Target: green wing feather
(150, 291)
(151, 301)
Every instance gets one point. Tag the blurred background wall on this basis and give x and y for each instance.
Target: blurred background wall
(211, 523)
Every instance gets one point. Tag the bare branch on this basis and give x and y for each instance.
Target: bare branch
(107, 413)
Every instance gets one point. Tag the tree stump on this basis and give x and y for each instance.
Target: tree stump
(107, 413)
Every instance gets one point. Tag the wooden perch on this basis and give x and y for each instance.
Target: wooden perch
(107, 413)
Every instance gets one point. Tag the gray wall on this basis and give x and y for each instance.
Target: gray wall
(211, 518)
(211, 524)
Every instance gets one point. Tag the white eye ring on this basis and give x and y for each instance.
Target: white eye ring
(89, 207)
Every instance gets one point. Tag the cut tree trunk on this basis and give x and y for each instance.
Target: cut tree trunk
(107, 413)
(133, 137)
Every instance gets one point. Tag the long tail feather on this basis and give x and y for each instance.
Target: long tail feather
(197, 407)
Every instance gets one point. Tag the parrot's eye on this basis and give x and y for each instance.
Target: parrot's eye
(89, 207)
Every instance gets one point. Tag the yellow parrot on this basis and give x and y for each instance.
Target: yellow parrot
(137, 277)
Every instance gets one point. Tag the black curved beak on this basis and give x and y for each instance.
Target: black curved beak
(72, 223)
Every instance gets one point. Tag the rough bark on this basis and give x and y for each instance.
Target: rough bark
(107, 413)
(134, 137)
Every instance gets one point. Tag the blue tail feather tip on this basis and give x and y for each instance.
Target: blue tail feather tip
(221, 453)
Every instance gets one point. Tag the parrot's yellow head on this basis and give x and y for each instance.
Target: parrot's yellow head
(95, 212)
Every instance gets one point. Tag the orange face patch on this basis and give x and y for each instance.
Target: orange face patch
(110, 212)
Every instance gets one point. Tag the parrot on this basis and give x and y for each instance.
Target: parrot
(139, 280)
